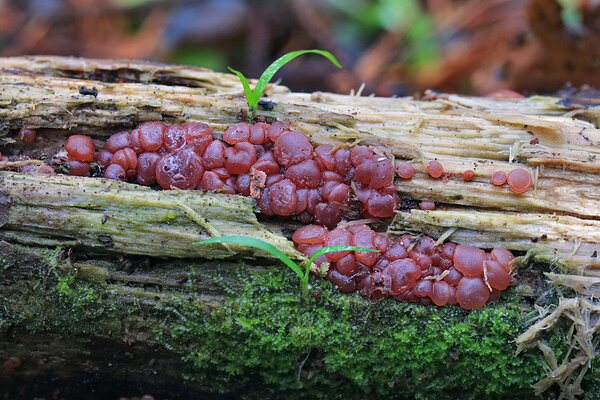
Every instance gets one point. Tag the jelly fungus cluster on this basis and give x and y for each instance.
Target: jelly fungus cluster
(410, 269)
(275, 165)
(288, 177)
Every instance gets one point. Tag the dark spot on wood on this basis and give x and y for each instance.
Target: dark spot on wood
(63, 169)
(97, 171)
(587, 139)
(267, 105)
(105, 239)
(595, 254)
(287, 232)
(242, 115)
(126, 264)
(88, 92)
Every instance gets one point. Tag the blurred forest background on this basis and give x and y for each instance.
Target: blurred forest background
(396, 47)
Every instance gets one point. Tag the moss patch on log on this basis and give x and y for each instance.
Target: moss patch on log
(60, 304)
(266, 340)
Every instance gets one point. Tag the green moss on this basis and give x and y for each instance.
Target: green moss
(61, 304)
(591, 381)
(340, 346)
(266, 341)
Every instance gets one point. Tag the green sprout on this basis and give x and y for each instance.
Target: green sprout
(259, 244)
(254, 96)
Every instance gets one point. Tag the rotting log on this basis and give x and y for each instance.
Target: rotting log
(134, 277)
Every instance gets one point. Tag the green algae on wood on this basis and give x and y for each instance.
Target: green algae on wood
(121, 217)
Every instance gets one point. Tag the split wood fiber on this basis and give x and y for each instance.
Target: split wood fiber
(556, 139)
(550, 137)
(106, 215)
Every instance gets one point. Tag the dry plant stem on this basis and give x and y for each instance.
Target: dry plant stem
(14, 164)
(126, 218)
(583, 315)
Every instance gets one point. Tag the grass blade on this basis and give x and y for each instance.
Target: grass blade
(331, 249)
(247, 90)
(266, 76)
(256, 243)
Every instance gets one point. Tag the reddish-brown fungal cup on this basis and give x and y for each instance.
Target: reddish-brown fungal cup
(405, 170)
(519, 180)
(472, 293)
(498, 178)
(27, 135)
(427, 205)
(80, 148)
(279, 168)
(435, 169)
(468, 260)
(469, 175)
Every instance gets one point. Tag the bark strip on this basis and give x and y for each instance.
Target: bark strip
(120, 217)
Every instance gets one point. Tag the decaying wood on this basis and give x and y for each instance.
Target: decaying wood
(570, 239)
(556, 139)
(118, 217)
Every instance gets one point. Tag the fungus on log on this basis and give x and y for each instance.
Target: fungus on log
(88, 260)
